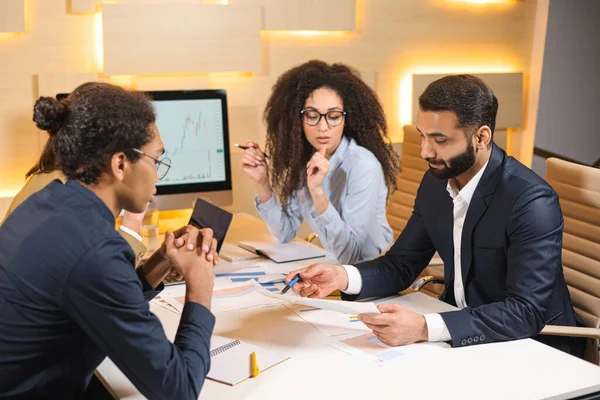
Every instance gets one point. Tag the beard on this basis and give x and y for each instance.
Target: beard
(455, 166)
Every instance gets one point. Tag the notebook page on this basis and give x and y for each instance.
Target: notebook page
(230, 360)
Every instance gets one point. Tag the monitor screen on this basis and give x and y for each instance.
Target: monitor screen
(194, 128)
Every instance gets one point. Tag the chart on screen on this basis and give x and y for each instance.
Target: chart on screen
(192, 132)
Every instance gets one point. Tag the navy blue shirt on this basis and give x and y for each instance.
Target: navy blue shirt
(70, 296)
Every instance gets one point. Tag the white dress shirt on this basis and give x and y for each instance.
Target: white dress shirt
(436, 328)
(131, 232)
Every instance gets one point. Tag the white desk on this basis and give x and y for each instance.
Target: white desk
(523, 369)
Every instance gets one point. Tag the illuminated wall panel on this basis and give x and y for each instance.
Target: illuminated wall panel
(192, 38)
(508, 88)
(12, 15)
(312, 15)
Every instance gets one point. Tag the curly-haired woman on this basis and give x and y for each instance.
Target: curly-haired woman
(330, 161)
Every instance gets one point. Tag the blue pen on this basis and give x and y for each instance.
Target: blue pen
(294, 280)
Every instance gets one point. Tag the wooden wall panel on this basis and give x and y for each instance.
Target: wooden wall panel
(508, 88)
(370, 78)
(12, 15)
(192, 38)
(51, 84)
(19, 147)
(311, 15)
(172, 82)
(88, 6)
(83, 6)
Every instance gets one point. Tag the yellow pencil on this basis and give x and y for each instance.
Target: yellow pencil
(253, 365)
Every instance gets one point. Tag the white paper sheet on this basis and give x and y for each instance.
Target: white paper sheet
(329, 322)
(347, 307)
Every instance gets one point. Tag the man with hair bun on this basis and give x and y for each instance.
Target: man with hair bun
(69, 291)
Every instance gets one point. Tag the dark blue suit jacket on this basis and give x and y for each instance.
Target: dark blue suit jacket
(510, 258)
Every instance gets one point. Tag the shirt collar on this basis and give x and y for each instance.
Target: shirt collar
(106, 213)
(466, 193)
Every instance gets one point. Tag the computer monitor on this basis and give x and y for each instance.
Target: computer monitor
(194, 128)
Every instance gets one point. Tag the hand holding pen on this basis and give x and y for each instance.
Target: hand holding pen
(254, 165)
(250, 147)
(317, 280)
(291, 283)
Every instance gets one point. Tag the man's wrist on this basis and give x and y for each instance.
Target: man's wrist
(343, 281)
(424, 330)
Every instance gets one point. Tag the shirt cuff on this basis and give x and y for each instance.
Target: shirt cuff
(354, 280)
(131, 232)
(436, 328)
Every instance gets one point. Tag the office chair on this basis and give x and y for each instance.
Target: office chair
(578, 187)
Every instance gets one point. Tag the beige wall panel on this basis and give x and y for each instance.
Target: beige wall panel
(18, 134)
(88, 6)
(84, 6)
(309, 15)
(508, 88)
(171, 82)
(52, 84)
(501, 138)
(370, 78)
(192, 38)
(12, 15)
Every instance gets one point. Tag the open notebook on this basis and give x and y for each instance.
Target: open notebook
(230, 360)
(284, 252)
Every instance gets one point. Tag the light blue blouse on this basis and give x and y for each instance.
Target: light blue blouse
(354, 226)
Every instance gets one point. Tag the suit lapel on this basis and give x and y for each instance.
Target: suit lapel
(478, 206)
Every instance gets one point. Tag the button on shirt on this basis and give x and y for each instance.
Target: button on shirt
(437, 330)
(354, 226)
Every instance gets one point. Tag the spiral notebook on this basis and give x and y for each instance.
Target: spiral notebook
(230, 360)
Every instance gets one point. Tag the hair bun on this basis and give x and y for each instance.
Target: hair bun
(48, 114)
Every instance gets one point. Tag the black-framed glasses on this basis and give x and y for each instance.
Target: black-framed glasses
(162, 166)
(313, 117)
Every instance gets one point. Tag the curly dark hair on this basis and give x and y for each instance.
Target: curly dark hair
(286, 142)
(94, 122)
(467, 96)
(47, 162)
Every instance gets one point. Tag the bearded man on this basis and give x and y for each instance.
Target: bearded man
(496, 224)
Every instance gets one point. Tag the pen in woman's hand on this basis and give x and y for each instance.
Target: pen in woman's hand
(246, 148)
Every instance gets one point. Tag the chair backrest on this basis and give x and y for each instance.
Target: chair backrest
(402, 201)
(578, 188)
